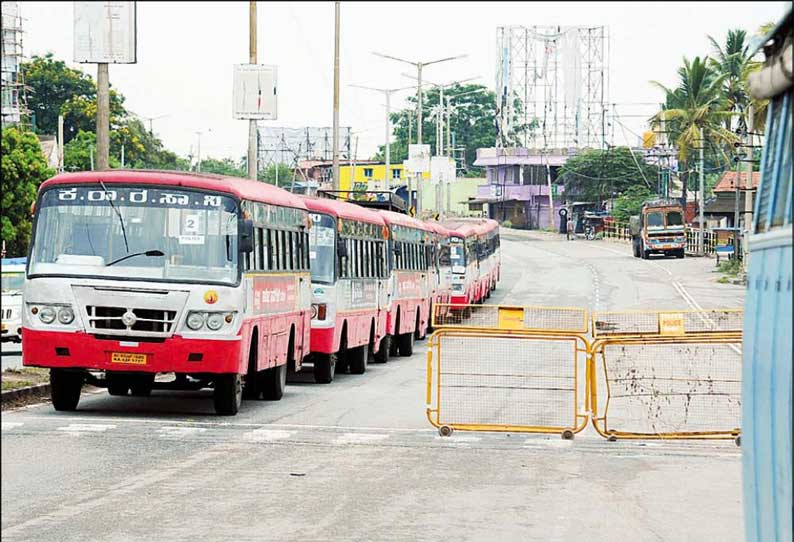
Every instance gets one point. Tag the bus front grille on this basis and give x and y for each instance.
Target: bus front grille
(145, 320)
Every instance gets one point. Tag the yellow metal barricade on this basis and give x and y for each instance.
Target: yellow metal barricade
(682, 387)
(507, 381)
(501, 317)
(667, 323)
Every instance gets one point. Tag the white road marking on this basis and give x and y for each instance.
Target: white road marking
(458, 439)
(267, 435)
(359, 438)
(5, 426)
(178, 432)
(87, 427)
(552, 443)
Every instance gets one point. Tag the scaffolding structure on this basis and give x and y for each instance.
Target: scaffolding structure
(289, 146)
(14, 106)
(552, 86)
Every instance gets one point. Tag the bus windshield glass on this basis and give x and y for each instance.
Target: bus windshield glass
(457, 256)
(12, 282)
(79, 232)
(321, 248)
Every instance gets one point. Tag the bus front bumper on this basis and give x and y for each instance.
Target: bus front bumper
(175, 354)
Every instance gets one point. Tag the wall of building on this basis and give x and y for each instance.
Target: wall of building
(460, 191)
(371, 176)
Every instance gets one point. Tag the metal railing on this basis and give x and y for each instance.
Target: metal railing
(617, 231)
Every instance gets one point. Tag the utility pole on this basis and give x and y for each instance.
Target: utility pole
(252, 59)
(103, 118)
(702, 242)
(748, 190)
(336, 97)
(60, 143)
(419, 66)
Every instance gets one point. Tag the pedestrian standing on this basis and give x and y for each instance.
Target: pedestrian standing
(569, 229)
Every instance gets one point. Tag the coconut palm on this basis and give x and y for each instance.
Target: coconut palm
(695, 113)
(732, 62)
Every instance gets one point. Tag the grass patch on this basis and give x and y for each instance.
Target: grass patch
(14, 379)
(723, 280)
(730, 267)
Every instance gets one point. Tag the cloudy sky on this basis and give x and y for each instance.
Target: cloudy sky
(186, 51)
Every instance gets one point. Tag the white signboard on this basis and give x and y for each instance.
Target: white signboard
(418, 158)
(105, 32)
(254, 93)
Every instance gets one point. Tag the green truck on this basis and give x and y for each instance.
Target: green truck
(658, 229)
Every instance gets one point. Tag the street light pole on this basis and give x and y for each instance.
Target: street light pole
(336, 98)
(419, 66)
(103, 118)
(702, 247)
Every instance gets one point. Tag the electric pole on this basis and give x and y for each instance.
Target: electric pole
(702, 247)
(252, 59)
(419, 66)
(103, 118)
(336, 98)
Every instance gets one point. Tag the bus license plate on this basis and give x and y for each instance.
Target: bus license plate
(128, 358)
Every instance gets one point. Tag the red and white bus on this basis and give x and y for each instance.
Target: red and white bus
(409, 306)
(440, 272)
(135, 273)
(489, 258)
(475, 259)
(348, 248)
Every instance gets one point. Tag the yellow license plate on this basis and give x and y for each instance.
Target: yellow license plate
(128, 358)
(3, 327)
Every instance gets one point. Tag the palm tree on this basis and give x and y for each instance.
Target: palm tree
(695, 113)
(732, 61)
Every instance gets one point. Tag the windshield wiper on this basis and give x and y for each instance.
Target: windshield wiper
(147, 253)
(121, 220)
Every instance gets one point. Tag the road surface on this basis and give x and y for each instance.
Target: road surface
(357, 460)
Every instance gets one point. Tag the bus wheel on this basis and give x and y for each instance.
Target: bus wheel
(65, 387)
(324, 368)
(405, 343)
(357, 358)
(142, 385)
(228, 394)
(273, 382)
(394, 345)
(382, 355)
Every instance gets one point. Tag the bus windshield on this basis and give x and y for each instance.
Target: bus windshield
(674, 219)
(12, 282)
(457, 256)
(79, 232)
(321, 248)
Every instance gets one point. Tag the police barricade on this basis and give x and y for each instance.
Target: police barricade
(674, 387)
(527, 318)
(667, 323)
(514, 381)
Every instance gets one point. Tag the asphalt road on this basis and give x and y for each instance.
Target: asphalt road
(357, 459)
(11, 355)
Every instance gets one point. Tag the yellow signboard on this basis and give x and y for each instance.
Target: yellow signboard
(671, 323)
(511, 318)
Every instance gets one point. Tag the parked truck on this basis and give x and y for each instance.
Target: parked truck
(658, 229)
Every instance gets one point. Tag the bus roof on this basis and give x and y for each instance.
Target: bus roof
(343, 209)
(438, 228)
(393, 218)
(236, 186)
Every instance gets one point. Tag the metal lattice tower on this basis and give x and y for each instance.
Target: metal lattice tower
(14, 106)
(555, 77)
(289, 145)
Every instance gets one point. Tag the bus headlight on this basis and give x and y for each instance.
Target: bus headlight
(47, 315)
(215, 321)
(66, 315)
(195, 320)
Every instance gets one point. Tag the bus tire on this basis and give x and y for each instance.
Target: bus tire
(65, 388)
(357, 360)
(645, 255)
(274, 381)
(405, 343)
(382, 355)
(394, 345)
(141, 385)
(251, 385)
(228, 394)
(324, 368)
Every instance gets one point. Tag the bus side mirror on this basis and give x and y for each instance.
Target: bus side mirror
(341, 249)
(246, 235)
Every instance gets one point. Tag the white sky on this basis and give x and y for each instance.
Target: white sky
(186, 51)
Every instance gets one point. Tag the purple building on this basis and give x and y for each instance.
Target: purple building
(518, 186)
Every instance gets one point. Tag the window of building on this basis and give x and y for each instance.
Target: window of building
(395, 173)
(368, 172)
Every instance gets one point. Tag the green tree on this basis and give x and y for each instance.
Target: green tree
(225, 166)
(472, 122)
(24, 168)
(630, 202)
(596, 175)
(277, 174)
(695, 113)
(731, 61)
(77, 154)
